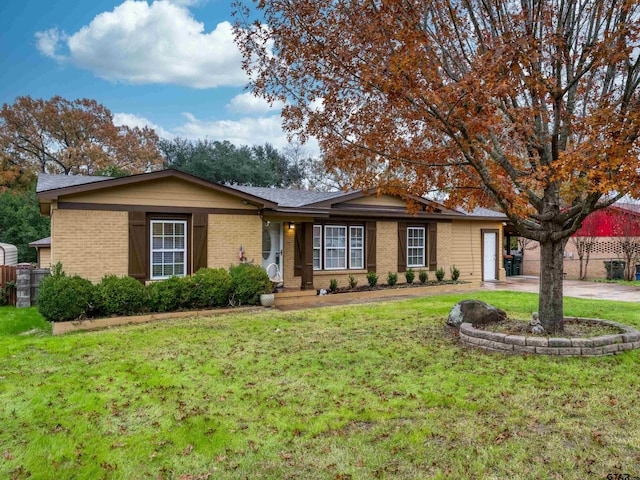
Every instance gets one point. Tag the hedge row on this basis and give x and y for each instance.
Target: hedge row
(62, 298)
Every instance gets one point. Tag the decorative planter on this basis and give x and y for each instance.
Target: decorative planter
(267, 299)
(629, 339)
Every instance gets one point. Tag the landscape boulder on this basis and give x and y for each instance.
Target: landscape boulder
(474, 312)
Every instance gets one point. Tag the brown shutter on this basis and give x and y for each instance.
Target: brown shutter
(297, 251)
(138, 250)
(371, 246)
(307, 256)
(200, 224)
(433, 247)
(402, 247)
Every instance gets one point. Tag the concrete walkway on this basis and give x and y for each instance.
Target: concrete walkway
(571, 288)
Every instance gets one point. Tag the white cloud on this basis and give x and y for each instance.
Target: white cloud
(188, 3)
(249, 103)
(132, 120)
(145, 43)
(48, 40)
(246, 131)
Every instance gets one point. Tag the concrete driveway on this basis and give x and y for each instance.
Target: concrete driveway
(572, 288)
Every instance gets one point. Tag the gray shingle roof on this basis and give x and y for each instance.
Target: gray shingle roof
(288, 198)
(43, 242)
(283, 197)
(52, 182)
(482, 212)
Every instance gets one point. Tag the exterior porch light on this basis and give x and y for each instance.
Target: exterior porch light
(292, 225)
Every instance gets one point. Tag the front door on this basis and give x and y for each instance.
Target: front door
(272, 245)
(489, 255)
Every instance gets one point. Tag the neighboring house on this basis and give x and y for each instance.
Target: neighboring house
(43, 248)
(607, 229)
(154, 225)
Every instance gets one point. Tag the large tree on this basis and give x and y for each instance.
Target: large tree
(69, 137)
(223, 162)
(531, 105)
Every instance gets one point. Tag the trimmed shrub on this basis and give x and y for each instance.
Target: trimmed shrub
(248, 282)
(333, 285)
(440, 274)
(423, 276)
(410, 275)
(62, 298)
(209, 287)
(455, 273)
(166, 295)
(392, 279)
(353, 281)
(118, 296)
(372, 278)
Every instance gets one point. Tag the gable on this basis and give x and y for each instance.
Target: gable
(375, 201)
(168, 191)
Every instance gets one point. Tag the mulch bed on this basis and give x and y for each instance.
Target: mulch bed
(572, 328)
(384, 286)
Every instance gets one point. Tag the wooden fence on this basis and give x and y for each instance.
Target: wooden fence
(8, 273)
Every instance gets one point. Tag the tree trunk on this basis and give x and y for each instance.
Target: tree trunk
(581, 276)
(550, 306)
(586, 265)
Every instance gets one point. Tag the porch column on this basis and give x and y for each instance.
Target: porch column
(307, 256)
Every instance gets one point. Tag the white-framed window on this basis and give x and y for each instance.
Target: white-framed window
(168, 248)
(338, 247)
(317, 247)
(335, 247)
(415, 247)
(356, 247)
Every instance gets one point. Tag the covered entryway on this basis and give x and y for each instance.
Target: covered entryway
(489, 255)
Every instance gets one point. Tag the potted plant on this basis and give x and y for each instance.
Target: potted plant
(268, 298)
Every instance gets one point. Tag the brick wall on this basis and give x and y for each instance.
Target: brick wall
(458, 243)
(387, 250)
(606, 249)
(226, 233)
(444, 248)
(90, 243)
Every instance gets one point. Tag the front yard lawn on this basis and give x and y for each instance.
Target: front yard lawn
(19, 320)
(368, 391)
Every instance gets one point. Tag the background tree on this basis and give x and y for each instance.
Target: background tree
(21, 222)
(585, 241)
(223, 162)
(530, 105)
(627, 239)
(525, 244)
(317, 176)
(69, 137)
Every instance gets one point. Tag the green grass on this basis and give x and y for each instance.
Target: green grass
(14, 321)
(369, 391)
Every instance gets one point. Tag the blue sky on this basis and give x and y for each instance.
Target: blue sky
(168, 64)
